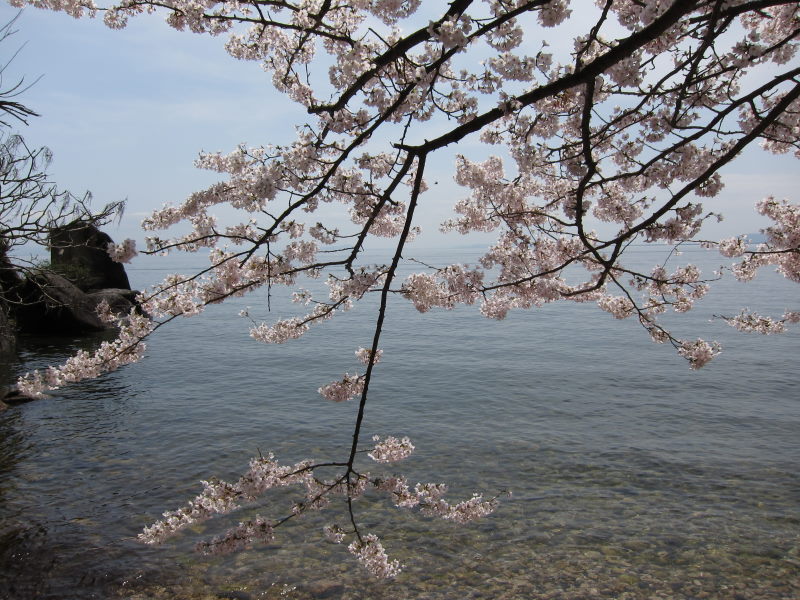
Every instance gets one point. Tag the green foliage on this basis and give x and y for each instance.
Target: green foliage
(75, 273)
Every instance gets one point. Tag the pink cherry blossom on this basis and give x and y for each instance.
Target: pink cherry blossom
(344, 389)
(391, 449)
(370, 553)
(699, 352)
(123, 252)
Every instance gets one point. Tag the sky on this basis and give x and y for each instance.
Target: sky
(126, 112)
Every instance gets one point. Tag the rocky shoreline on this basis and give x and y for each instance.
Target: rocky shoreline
(60, 298)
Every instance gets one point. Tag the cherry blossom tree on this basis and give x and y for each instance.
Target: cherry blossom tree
(617, 140)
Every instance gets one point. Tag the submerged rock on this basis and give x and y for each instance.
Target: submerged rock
(326, 589)
(10, 395)
(234, 595)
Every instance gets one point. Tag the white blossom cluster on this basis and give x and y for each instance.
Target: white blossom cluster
(370, 553)
(429, 498)
(753, 323)
(127, 348)
(366, 356)
(246, 533)
(781, 250)
(345, 389)
(698, 352)
(265, 473)
(220, 497)
(124, 252)
(391, 449)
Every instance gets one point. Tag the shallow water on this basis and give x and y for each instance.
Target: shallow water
(631, 476)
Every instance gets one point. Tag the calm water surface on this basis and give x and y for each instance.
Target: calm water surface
(632, 477)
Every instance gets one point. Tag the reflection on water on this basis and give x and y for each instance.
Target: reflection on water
(631, 476)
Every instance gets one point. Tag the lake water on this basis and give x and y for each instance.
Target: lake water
(632, 476)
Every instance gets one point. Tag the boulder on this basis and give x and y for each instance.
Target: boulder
(9, 283)
(62, 299)
(78, 251)
(53, 305)
(8, 336)
(120, 301)
(10, 395)
(9, 278)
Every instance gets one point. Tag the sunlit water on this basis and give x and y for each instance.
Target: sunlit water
(631, 476)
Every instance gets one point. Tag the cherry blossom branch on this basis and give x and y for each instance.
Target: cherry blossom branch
(383, 302)
(653, 100)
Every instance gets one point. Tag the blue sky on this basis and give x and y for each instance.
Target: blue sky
(126, 112)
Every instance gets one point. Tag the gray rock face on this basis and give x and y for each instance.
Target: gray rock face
(10, 395)
(78, 250)
(56, 306)
(120, 301)
(63, 299)
(8, 336)
(9, 282)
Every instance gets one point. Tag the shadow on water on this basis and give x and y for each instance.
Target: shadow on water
(47, 545)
